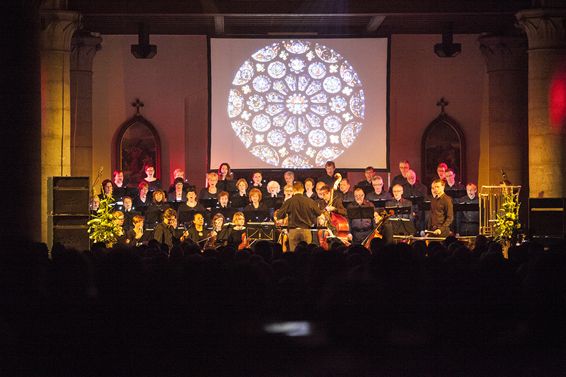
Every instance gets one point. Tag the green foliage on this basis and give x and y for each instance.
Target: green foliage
(507, 223)
(102, 227)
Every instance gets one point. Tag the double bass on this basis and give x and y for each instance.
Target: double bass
(337, 224)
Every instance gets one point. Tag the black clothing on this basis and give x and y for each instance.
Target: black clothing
(128, 217)
(119, 192)
(155, 185)
(347, 197)
(301, 210)
(441, 214)
(366, 186)
(336, 203)
(173, 198)
(468, 222)
(328, 180)
(361, 228)
(198, 237)
(234, 237)
(313, 196)
(262, 188)
(411, 191)
(164, 234)
(185, 213)
(139, 205)
(382, 197)
(239, 201)
(154, 214)
(403, 203)
(398, 180)
(227, 185)
(133, 241)
(456, 191)
(204, 194)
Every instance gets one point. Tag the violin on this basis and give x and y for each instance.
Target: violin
(283, 239)
(245, 244)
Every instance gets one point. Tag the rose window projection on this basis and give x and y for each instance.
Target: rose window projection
(296, 104)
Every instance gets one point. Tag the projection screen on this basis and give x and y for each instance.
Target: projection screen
(297, 103)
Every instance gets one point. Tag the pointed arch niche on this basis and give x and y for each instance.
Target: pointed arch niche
(443, 141)
(136, 143)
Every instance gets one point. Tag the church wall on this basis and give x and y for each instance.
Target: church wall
(174, 88)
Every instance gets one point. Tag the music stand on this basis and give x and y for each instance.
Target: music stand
(186, 217)
(273, 203)
(208, 202)
(259, 225)
(360, 213)
(402, 226)
(257, 216)
(379, 203)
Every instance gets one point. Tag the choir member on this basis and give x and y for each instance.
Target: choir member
(255, 203)
(441, 170)
(190, 207)
(468, 221)
(107, 190)
(94, 204)
(119, 225)
(240, 197)
(178, 173)
(401, 178)
(197, 232)
(152, 181)
(360, 228)
(378, 192)
(413, 188)
(287, 192)
(226, 178)
(288, 178)
(344, 191)
(453, 189)
(119, 187)
(365, 185)
(257, 182)
(328, 177)
(211, 190)
(309, 189)
(399, 202)
(236, 234)
(273, 189)
(142, 201)
(178, 193)
(154, 211)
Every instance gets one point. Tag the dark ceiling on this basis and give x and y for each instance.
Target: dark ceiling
(283, 17)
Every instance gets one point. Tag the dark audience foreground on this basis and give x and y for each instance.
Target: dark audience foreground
(433, 310)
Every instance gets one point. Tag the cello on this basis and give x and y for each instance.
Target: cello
(376, 231)
(337, 224)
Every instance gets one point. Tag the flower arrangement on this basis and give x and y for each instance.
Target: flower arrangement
(507, 223)
(103, 227)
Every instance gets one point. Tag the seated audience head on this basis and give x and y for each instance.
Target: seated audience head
(242, 185)
(404, 167)
(441, 170)
(397, 191)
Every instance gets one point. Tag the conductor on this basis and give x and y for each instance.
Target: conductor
(302, 212)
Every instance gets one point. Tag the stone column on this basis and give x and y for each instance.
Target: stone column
(84, 46)
(506, 66)
(546, 32)
(20, 102)
(57, 28)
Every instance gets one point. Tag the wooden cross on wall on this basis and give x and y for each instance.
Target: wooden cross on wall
(137, 104)
(441, 102)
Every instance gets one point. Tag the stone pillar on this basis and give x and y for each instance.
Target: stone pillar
(20, 102)
(57, 28)
(546, 32)
(506, 66)
(84, 46)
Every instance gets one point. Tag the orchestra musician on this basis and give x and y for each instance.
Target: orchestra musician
(137, 236)
(236, 234)
(335, 205)
(220, 229)
(441, 210)
(119, 223)
(197, 232)
(166, 231)
(302, 214)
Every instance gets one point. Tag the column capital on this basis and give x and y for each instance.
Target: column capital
(84, 46)
(57, 29)
(504, 53)
(545, 28)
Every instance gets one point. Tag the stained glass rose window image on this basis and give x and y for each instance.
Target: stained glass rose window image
(296, 104)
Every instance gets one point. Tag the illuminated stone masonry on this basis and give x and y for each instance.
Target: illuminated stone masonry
(296, 104)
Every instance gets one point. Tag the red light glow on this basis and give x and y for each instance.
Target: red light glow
(557, 100)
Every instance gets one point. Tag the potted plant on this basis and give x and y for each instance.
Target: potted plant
(103, 227)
